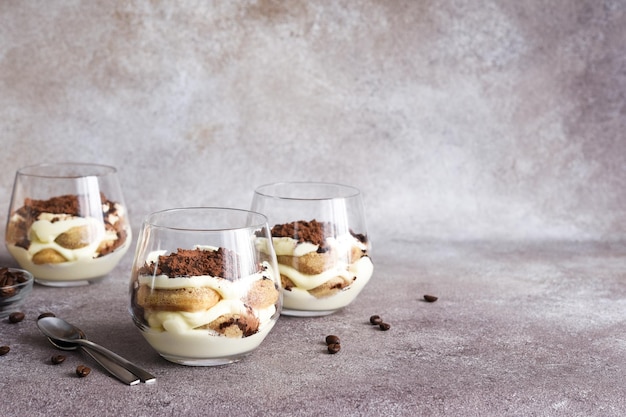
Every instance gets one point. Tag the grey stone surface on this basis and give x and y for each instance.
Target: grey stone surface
(487, 138)
(518, 330)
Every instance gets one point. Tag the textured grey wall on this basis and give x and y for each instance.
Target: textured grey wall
(458, 118)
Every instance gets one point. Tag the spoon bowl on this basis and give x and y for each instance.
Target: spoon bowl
(59, 330)
(59, 344)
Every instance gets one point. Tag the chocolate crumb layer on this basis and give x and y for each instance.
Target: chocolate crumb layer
(310, 231)
(222, 263)
(64, 204)
(303, 231)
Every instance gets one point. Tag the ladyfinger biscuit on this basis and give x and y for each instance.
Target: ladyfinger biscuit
(310, 264)
(329, 288)
(235, 325)
(48, 256)
(287, 284)
(262, 294)
(75, 238)
(182, 299)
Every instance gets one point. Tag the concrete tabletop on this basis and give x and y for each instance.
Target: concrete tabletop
(518, 329)
(498, 124)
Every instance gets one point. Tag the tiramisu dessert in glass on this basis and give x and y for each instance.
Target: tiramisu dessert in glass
(202, 292)
(67, 222)
(320, 239)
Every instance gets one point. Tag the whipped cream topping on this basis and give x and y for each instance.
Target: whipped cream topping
(291, 247)
(182, 321)
(43, 233)
(349, 272)
(226, 288)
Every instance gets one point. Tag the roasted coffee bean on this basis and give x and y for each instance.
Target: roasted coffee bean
(16, 317)
(4, 350)
(7, 278)
(375, 319)
(47, 314)
(334, 348)
(57, 359)
(82, 371)
(430, 298)
(332, 339)
(384, 326)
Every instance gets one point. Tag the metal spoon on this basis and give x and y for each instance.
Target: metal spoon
(65, 334)
(114, 369)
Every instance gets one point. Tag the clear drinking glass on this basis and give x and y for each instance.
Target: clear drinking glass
(320, 239)
(202, 292)
(67, 222)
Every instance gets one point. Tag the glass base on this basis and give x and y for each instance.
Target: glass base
(69, 283)
(306, 313)
(203, 361)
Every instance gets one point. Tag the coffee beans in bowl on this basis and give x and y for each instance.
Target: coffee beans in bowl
(15, 285)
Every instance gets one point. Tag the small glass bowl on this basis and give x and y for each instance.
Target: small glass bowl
(12, 296)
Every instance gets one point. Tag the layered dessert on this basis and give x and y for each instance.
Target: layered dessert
(198, 303)
(55, 241)
(320, 268)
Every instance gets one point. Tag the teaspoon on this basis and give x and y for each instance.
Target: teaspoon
(114, 369)
(64, 335)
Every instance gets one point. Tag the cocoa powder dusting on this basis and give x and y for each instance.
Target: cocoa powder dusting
(222, 263)
(303, 231)
(312, 231)
(64, 204)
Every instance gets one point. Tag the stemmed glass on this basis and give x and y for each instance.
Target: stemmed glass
(67, 222)
(320, 239)
(202, 292)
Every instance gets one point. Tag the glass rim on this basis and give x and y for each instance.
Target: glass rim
(31, 170)
(150, 221)
(350, 191)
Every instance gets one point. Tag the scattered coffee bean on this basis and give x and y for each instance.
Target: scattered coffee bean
(375, 319)
(57, 359)
(334, 348)
(384, 326)
(430, 298)
(4, 350)
(332, 339)
(16, 317)
(82, 371)
(47, 314)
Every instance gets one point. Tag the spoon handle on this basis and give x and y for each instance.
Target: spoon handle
(114, 368)
(143, 375)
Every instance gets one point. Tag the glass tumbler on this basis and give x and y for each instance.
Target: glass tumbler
(202, 292)
(67, 222)
(320, 239)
